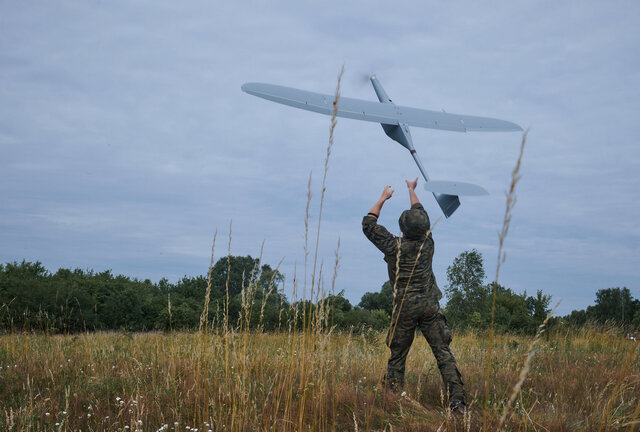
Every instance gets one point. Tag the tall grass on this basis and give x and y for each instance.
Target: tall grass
(107, 381)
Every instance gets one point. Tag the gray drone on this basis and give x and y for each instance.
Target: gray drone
(395, 121)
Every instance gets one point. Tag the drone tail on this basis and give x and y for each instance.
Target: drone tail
(448, 203)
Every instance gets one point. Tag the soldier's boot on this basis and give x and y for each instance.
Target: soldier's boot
(458, 408)
(393, 381)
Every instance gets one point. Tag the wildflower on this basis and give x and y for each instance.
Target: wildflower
(404, 393)
(47, 414)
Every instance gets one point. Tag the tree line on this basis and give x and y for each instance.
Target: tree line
(244, 293)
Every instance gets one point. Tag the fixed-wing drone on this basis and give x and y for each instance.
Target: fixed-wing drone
(395, 121)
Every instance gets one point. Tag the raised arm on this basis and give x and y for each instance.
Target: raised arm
(412, 192)
(378, 234)
(377, 207)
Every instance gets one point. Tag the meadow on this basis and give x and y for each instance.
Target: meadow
(245, 381)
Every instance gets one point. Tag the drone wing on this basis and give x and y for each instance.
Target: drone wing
(385, 113)
(453, 122)
(321, 103)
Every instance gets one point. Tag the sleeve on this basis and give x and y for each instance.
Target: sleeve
(379, 236)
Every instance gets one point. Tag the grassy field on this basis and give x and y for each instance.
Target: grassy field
(309, 381)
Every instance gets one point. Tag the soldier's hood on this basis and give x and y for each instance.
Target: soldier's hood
(414, 224)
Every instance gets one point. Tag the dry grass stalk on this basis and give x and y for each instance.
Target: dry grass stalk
(510, 203)
(525, 369)
(203, 326)
(306, 243)
(204, 317)
(270, 288)
(226, 306)
(336, 265)
(334, 122)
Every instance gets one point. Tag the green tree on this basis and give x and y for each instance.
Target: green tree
(512, 312)
(466, 291)
(614, 304)
(382, 300)
(238, 270)
(538, 308)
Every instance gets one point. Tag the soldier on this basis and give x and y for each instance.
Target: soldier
(416, 294)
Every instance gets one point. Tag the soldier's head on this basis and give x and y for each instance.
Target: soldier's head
(414, 224)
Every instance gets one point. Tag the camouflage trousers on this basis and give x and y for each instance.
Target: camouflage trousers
(420, 311)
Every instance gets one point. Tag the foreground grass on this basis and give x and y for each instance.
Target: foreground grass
(288, 381)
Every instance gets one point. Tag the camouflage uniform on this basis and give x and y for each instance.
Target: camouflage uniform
(416, 296)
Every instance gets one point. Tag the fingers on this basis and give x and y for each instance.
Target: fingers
(387, 192)
(412, 184)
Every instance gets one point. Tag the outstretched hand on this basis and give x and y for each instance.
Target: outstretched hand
(386, 193)
(412, 184)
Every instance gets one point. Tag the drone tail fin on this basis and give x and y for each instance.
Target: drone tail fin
(448, 203)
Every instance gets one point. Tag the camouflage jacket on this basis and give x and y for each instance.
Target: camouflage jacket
(415, 274)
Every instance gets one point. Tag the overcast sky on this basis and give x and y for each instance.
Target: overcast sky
(126, 142)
